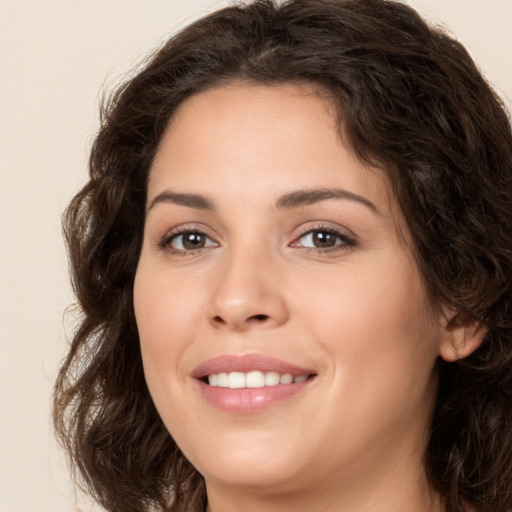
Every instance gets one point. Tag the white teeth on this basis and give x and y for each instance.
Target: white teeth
(286, 378)
(236, 380)
(254, 379)
(271, 379)
(223, 380)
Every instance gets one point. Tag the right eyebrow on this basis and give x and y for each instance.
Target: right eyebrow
(190, 200)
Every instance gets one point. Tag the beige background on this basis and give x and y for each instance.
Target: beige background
(56, 56)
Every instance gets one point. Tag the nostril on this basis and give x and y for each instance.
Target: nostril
(260, 318)
(238, 323)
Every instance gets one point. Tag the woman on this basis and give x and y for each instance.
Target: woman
(294, 259)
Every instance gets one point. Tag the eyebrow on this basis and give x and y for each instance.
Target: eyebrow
(191, 200)
(310, 196)
(287, 201)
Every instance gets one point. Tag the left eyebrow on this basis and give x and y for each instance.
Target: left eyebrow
(309, 196)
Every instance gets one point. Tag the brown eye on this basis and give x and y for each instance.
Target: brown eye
(190, 241)
(324, 239)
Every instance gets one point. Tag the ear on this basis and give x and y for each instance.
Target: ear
(461, 335)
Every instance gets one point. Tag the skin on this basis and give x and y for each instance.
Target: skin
(358, 314)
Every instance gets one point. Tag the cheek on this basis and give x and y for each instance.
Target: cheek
(379, 335)
(376, 324)
(165, 308)
(163, 317)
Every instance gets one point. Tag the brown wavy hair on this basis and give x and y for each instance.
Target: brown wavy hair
(413, 103)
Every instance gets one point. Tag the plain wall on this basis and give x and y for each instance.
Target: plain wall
(56, 57)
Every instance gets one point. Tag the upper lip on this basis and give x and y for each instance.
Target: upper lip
(246, 363)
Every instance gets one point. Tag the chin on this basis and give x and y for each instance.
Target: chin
(249, 462)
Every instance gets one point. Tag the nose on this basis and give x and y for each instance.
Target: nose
(247, 294)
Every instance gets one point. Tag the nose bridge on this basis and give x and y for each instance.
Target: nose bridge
(247, 291)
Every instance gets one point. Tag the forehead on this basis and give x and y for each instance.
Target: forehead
(268, 138)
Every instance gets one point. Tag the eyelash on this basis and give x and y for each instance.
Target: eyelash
(347, 241)
(165, 242)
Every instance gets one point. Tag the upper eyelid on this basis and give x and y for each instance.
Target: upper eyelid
(173, 235)
(326, 226)
(188, 228)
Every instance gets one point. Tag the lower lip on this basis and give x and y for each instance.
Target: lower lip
(249, 400)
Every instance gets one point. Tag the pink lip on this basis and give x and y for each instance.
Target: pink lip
(248, 400)
(247, 363)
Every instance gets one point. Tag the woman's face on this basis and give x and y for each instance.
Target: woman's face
(271, 254)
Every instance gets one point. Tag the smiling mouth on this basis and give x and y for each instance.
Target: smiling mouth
(253, 379)
(250, 383)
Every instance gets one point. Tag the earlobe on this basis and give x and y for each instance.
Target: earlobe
(461, 337)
